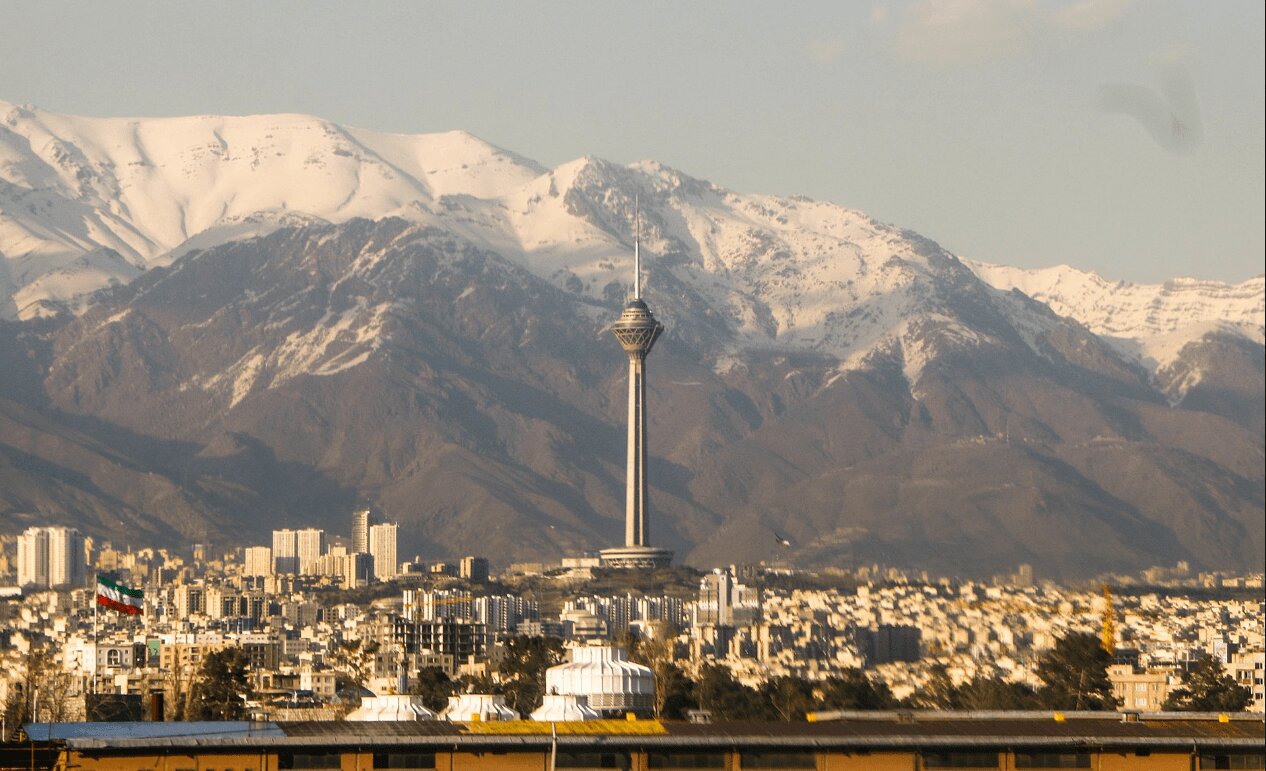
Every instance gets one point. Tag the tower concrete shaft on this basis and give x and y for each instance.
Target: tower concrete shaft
(637, 330)
(636, 528)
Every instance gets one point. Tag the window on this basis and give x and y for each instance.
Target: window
(685, 760)
(592, 760)
(1232, 761)
(414, 761)
(309, 760)
(960, 760)
(1052, 760)
(778, 760)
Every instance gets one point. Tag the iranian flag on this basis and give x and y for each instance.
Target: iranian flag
(119, 597)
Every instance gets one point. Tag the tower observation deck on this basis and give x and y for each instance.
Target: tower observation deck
(637, 330)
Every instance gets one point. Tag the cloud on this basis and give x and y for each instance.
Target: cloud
(945, 32)
(1170, 114)
(953, 32)
(827, 50)
(1089, 15)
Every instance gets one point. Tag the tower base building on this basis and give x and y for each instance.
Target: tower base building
(636, 557)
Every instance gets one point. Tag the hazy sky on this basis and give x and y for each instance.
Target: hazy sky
(1124, 137)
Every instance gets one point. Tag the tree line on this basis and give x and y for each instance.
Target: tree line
(1073, 675)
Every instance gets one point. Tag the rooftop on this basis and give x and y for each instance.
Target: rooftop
(919, 730)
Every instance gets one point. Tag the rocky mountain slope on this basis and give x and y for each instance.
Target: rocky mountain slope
(419, 322)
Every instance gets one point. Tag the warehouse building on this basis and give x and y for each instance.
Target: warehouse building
(857, 742)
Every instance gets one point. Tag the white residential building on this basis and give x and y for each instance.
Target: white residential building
(382, 546)
(258, 561)
(309, 547)
(33, 557)
(285, 551)
(360, 531)
(51, 557)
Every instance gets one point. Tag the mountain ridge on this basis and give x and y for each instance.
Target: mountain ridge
(446, 358)
(133, 184)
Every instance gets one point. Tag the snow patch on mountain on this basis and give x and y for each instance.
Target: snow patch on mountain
(338, 341)
(1152, 322)
(70, 185)
(90, 202)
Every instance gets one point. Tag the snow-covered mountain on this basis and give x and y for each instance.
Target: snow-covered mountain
(85, 202)
(1152, 321)
(90, 202)
(306, 315)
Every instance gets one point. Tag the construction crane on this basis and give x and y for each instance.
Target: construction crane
(411, 608)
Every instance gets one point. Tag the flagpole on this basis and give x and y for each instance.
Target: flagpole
(96, 656)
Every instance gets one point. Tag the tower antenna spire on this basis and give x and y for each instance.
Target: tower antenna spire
(637, 247)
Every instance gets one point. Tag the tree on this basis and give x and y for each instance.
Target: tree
(673, 690)
(482, 683)
(938, 692)
(789, 698)
(522, 671)
(41, 692)
(726, 698)
(222, 687)
(15, 711)
(434, 686)
(1075, 675)
(988, 693)
(853, 689)
(1206, 687)
(674, 693)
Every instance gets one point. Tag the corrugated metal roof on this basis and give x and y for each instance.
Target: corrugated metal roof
(370, 730)
(924, 732)
(224, 729)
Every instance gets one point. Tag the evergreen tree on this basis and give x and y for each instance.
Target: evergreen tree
(434, 686)
(726, 698)
(1075, 675)
(988, 693)
(522, 671)
(853, 689)
(1206, 687)
(222, 687)
(674, 693)
(937, 693)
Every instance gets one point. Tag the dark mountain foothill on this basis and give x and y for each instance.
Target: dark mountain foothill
(278, 380)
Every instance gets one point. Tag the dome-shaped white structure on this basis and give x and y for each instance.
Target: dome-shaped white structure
(395, 707)
(477, 707)
(611, 683)
(561, 708)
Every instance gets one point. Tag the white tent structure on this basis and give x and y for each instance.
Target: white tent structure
(395, 707)
(611, 684)
(563, 708)
(477, 707)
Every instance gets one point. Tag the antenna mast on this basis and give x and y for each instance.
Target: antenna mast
(637, 247)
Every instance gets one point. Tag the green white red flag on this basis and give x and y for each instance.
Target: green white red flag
(116, 596)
